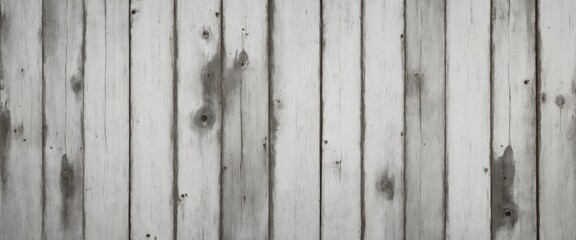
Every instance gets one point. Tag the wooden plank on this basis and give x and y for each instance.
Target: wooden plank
(106, 119)
(295, 119)
(63, 83)
(557, 34)
(341, 120)
(245, 121)
(513, 187)
(425, 119)
(199, 118)
(20, 120)
(383, 169)
(468, 119)
(151, 139)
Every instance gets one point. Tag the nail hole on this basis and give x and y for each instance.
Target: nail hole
(526, 81)
(204, 118)
(148, 235)
(133, 11)
(507, 212)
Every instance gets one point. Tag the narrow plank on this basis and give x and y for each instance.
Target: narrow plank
(384, 119)
(106, 123)
(425, 119)
(63, 119)
(295, 119)
(245, 121)
(199, 118)
(557, 34)
(151, 99)
(20, 120)
(468, 119)
(341, 120)
(513, 196)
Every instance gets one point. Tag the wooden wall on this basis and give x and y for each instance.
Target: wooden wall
(274, 119)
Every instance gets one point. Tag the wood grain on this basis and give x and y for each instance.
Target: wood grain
(425, 115)
(468, 119)
(557, 33)
(198, 111)
(513, 188)
(341, 121)
(151, 103)
(245, 121)
(106, 120)
(20, 120)
(383, 145)
(63, 65)
(295, 117)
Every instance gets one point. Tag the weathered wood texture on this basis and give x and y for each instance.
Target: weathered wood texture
(468, 119)
(245, 121)
(425, 115)
(557, 144)
(513, 182)
(341, 120)
(272, 119)
(21, 198)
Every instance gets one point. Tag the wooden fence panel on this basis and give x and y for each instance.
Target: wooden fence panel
(341, 120)
(557, 144)
(425, 115)
(513, 182)
(152, 116)
(106, 121)
(21, 195)
(468, 119)
(383, 143)
(245, 122)
(63, 111)
(295, 119)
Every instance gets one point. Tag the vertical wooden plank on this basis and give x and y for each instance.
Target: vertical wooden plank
(425, 119)
(557, 35)
(513, 187)
(106, 122)
(63, 118)
(151, 96)
(20, 120)
(295, 119)
(384, 119)
(198, 114)
(245, 121)
(341, 120)
(468, 118)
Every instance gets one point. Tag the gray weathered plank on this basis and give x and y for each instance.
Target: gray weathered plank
(106, 120)
(151, 133)
(513, 187)
(383, 168)
(557, 35)
(245, 121)
(295, 119)
(341, 120)
(20, 120)
(199, 118)
(64, 43)
(425, 115)
(468, 119)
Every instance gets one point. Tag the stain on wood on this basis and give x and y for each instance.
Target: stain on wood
(205, 116)
(5, 127)
(504, 209)
(67, 189)
(385, 185)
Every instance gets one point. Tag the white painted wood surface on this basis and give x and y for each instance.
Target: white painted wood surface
(295, 118)
(199, 118)
(151, 101)
(383, 143)
(20, 120)
(513, 188)
(425, 115)
(557, 35)
(341, 120)
(468, 119)
(245, 122)
(106, 120)
(64, 43)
